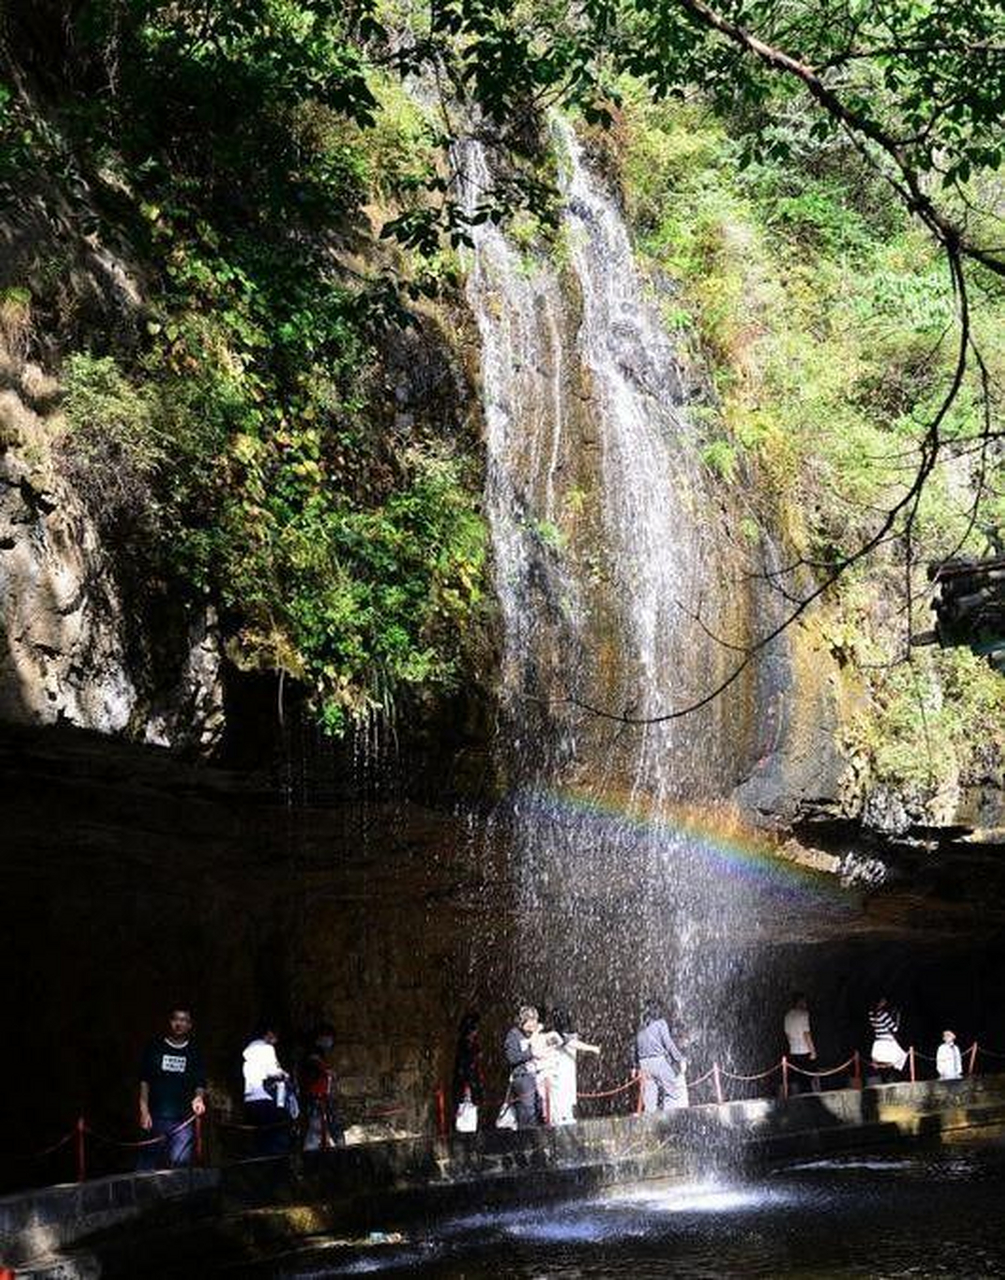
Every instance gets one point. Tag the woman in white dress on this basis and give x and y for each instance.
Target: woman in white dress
(561, 1077)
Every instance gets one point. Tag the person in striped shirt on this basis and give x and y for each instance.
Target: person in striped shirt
(886, 1051)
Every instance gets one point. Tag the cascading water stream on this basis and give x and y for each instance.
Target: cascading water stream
(597, 502)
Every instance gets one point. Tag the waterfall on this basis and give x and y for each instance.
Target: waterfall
(604, 560)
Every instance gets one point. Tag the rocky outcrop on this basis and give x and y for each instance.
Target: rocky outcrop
(64, 654)
(811, 772)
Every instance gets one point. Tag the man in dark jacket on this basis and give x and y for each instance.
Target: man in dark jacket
(660, 1062)
(172, 1090)
(518, 1048)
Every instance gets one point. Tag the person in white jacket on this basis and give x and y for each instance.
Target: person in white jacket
(948, 1062)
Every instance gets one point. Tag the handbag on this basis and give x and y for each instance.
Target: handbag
(466, 1119)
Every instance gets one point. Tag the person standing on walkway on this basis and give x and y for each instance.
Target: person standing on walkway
(802, 1050)
(265, 1084)
(172, 1091)
(468, 1080)
(660, 1063)
(564, 1087)
(948, 1062)
(886, 1051)
(322, 1126)
(519, 1049)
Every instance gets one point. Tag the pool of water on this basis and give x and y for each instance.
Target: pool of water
(881, 1217)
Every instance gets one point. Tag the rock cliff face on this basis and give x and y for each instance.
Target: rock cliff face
(70, 649)
(64, 655)
(65, 652)
(810, 771)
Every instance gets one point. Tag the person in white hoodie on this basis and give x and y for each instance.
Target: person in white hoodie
(948, 1062)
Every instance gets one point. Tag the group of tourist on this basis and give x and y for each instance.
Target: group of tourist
(887, 1056)
(542, 1065)
(277, 1103)
(542, 1089)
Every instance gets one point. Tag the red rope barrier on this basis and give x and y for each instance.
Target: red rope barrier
(143, 1142)
(760, 1075)
(610, 1093)
(831, 1071)
(46, 1151)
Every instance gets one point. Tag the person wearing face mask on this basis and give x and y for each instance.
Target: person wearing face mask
(322, 1124)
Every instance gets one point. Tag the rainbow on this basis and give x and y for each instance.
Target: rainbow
(715, 834)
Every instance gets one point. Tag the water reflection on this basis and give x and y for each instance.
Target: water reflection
(879, 1217)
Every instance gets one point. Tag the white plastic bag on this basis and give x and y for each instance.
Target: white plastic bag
(466, 1120)
(506, 1118)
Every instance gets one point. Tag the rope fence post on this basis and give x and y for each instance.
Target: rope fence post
(441, 1111)
(973, 1059)
(81, 1149)
(546, 1101)
(639, 1100)
(717, 1081)
(198, 1140)
(785, 1078)
(856, 1070)
(910, 1064)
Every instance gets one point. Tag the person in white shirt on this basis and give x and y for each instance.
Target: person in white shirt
(948, 1062)
(265, 1084)
(802, 1050)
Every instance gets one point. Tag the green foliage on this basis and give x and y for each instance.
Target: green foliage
(921, 731)
(241, 451)
(824, 318)
(113, 449)
(370, 600)
(720, 457)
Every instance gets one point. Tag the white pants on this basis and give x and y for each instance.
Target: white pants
(888, 1053)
